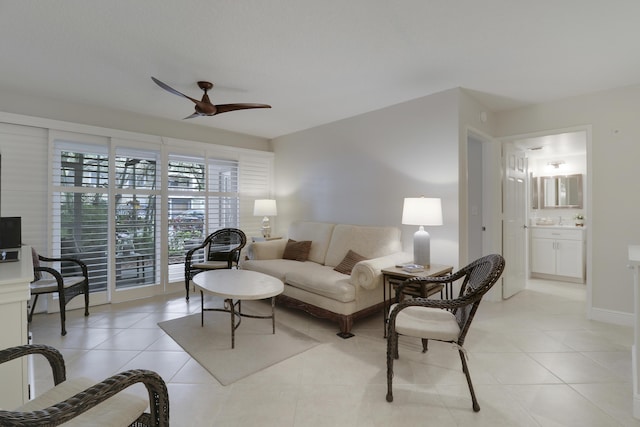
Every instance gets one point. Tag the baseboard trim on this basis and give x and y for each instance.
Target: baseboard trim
(610, 316)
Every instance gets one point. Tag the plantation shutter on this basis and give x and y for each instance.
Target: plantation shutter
(256, 182)
(80, 208)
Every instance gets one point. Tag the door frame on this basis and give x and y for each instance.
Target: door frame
(587, 207)
(491, 202)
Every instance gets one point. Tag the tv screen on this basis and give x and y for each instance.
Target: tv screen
(10, 232)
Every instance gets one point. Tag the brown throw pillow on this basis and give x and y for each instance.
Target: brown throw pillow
(297, 251)
(348, 262)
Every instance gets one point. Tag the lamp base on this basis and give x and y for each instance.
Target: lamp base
(422, 248)
(266, 228)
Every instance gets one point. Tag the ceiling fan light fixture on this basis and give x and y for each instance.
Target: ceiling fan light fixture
(205, 107)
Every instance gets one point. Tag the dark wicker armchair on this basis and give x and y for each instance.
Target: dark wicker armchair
(221, 250)
(48, 280)
(442, 320)
(79, 403)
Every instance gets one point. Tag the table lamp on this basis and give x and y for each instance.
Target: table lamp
(265, 208)
(422, 211)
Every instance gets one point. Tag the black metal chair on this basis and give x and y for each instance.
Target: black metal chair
(442, 320)
(48, 280)
(51, 409)
(221, 251)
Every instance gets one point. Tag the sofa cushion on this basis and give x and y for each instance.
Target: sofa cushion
(319, 233)
(277, 268)
(321, 280)
(270, 249)
(298, 251)
(370, 242)
(348, 262)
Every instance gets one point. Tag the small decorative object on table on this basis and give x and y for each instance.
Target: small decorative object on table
(579, 218)
(413, 268)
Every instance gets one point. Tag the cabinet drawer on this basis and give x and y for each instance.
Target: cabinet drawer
(557, 233)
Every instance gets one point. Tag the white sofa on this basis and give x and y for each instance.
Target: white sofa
(314, 286)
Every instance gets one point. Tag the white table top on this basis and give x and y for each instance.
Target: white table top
(238, 284)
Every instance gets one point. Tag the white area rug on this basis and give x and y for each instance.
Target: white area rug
(256, 346)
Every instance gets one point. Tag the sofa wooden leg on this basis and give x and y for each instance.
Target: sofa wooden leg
(346, 323)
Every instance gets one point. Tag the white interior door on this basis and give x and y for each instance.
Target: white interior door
(514, 214)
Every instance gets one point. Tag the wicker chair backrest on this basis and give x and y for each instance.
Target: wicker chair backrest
(479, 277)
(225, 243)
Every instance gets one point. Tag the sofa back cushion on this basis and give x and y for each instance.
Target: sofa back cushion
(319, 233)
(370, 242)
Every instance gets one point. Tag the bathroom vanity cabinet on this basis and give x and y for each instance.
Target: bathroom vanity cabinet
(558, 253)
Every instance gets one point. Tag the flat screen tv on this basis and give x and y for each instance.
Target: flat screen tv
(10, 232)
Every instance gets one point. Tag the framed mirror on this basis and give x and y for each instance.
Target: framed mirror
(561, 191)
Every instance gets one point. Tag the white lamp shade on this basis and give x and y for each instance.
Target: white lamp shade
(265, 207)
(422, 211)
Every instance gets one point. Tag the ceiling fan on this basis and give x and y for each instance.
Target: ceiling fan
(205, 107)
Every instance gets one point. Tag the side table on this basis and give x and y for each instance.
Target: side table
(264, 239)
(392, 277)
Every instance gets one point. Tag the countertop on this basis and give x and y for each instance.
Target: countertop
(564, 227)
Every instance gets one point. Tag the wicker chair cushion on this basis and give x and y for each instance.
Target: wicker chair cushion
(427, 322)
(44, 286)
(210, 265)
(119, 410)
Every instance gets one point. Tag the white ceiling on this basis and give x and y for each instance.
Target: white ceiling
(314, 61)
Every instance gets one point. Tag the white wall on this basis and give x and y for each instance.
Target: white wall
(359, 170)
(122, 120)
(615, 205)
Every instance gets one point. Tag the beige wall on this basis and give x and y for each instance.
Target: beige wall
(613, 165)
(359, 170)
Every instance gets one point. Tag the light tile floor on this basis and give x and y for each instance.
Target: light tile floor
(535, 360)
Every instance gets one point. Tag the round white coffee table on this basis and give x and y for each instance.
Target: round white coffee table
(235, 286)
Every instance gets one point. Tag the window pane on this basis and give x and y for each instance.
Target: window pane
(186, 226)
(186, 175)
(223, 212)
(135, 173)
(83, 169)
(135, 240)
(83, 232)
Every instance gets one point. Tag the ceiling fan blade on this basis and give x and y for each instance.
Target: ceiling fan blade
(172, 90)
(192, 116)
(224, 108)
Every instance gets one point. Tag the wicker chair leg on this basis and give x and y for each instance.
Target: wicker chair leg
(396, 353)
(86, 302)
(425, 343)
(465, 369)
(392, 351)
(63, 317)
(33, 307)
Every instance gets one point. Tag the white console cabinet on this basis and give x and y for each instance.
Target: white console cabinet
(14, 295)
(558, 253)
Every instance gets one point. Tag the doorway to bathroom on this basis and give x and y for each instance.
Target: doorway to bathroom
(557, 206)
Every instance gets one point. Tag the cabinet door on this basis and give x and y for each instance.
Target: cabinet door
(543, 256)
(569, 258)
